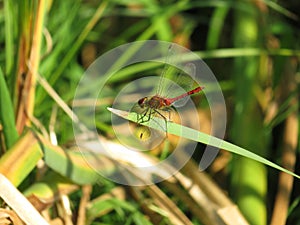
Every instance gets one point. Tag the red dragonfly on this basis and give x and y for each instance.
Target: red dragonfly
(158, 104)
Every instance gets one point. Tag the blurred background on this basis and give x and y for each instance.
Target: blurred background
(252, 47)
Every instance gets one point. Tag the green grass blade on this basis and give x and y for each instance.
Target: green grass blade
(9, 36)
(71, 53)
(50, 186)
(21, 159)
(276, 7)
(201, 137)
(69, 164)
(7, 114)
(216, 25)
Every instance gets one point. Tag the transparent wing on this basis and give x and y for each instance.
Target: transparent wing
(167, 72)
(185, 83)
(177, 76)
(176, 72)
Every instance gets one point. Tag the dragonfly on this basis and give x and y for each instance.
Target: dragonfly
(160, 102)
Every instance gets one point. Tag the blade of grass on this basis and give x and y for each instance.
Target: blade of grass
(215, 27)
(276, 7)
(34, 60)
(19, 203)
(20, 160)
(159, 19)
(51, 187)
(71, 53)
(201, 137)
(218, 53)
(71, 164)
(31, 40)
(247, 122)
(7, 114)
(9, 36)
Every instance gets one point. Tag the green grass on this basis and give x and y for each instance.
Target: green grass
(253, 49)
(197, 136)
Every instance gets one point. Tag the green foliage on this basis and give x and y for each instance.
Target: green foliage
(252, 46)
(7, 114)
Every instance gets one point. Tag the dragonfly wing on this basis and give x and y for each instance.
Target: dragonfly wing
(169, 75)
(177, 77)
(185, 83)
(162, 84)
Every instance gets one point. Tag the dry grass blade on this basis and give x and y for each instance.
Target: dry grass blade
(200, 205)
(86, 192)
(27, 84)
(167, 207)
(210, 211)
(64, 210)
(7, 216)
(290, 142)
(43, 82)
(19, 161)
(175, 215)
(205, 200)
(214, 203)
(19, 203)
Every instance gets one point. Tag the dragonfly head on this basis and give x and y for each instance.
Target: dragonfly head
(142, 101)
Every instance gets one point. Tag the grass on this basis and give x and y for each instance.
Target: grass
(253, 48)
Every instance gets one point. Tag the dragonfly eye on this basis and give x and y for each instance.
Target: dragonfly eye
(142, 101)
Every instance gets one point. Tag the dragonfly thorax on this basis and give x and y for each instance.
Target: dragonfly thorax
(154, 102)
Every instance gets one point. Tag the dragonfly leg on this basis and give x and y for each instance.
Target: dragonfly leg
(147, 114)
(142, 118)
(165, 119)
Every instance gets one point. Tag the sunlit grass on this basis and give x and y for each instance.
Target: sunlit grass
(270, 86)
